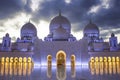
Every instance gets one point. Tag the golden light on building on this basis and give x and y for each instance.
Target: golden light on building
(20, 59)
(118, 67)
(7, 59)
(11, 59)
(73, 59)
(106, 68)
(3, 59)
(24, 59)
(92, 71)
(101, 64)
(29, 60)
(105, 59)
(114, 67)
(97, 70)
(101, 68)
(92, 59)
(106, 65)
(16, 59)
(101, 59)
(16, 66)
(11, 68)
(117, 59)
(96, 59)
(49, 60)
(20, 69)
(29, 69)
(109, 65)
(6, 68)
(24, 69)
(109, 59)
(2, 69)
(73, 71)
(113, 59)
(97, 65)
(61, 58)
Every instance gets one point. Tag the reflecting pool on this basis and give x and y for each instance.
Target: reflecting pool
(30, 71)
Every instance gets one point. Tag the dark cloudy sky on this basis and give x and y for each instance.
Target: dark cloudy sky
(15, 13)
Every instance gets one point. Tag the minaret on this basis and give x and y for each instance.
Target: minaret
(6, 43)
(113, 42)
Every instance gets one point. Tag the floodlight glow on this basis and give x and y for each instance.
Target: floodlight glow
(43, 63)
(37, 65)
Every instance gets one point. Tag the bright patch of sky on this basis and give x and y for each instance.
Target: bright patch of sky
(106, 38)
(78, 35)
(104, 4)
(13, 25)
(43, 29)
(35, 4)
(68, 1)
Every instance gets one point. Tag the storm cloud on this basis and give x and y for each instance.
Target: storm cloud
(10, 8)
(111, 16)
(77, 12)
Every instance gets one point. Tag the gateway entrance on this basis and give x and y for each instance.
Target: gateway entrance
(61, 58)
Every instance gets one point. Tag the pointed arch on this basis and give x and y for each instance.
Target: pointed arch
(61, 57)
(49, 60)
(73, 59)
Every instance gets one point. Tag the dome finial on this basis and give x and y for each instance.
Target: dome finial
(90, 21)
(29, 20)
(59, 12)
(112, 35)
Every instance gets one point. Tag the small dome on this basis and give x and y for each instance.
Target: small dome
(7, 35)
(60, 33)
(112, 35)
(28, 28)
(60, 20)
(91, 28)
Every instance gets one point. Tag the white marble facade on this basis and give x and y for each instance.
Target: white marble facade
(59, 39)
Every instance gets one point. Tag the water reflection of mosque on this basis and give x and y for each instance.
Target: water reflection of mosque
(61, 72)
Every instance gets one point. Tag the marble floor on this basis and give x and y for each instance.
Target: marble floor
(28, 71)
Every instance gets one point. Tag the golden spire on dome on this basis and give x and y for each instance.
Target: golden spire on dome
(29, 20)
(90, 20)
(59, 12)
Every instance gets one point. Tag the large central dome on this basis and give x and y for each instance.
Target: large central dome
(60, 34)
(60, 20)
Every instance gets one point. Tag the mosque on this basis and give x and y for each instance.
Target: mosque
(60, 47)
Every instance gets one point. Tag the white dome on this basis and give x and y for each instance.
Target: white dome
(60, 34)
(91, 28)
(60, 20)
(28, 29)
